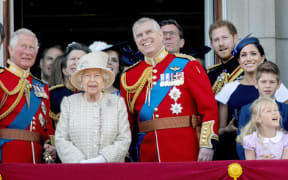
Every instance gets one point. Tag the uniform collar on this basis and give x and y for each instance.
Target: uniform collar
(16, 70)
(70, 87)
(157, 58)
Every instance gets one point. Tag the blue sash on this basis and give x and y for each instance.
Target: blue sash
(159, 93)
(25, 116)
(156, 96)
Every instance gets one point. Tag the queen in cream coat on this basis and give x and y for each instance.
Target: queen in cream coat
(93, 126)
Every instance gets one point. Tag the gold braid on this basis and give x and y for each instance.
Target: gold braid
(19, 88)
(220, 83)
(137, 87)
(15, 90)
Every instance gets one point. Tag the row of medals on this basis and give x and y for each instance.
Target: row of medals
(172, 79)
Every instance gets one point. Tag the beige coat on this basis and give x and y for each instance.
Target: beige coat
(86, 130)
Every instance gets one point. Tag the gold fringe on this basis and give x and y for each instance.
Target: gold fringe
(137, 87)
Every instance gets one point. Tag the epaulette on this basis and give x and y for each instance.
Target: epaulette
(213, 66)
(36, 78)
(56, 86)
(191, 58)
(132, 66)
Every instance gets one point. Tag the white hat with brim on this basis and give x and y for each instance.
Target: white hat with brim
(94, 60)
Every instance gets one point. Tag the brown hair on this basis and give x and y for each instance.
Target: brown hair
(268, 67)
(220, 23)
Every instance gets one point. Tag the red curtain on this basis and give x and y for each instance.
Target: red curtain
(259, 169)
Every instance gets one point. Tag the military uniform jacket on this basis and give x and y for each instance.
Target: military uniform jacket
(24, 99)
(221, 73)
(57, 93)
(193, 97)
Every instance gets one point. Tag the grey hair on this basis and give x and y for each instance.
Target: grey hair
(15, 36)
(143, 20)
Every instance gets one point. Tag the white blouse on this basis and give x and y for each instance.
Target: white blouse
(86, 130)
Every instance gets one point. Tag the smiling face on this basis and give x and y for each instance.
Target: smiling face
(148, 39)
(92, 82)
(25, 51)
(269, 117)
(250, 58)
(223, 42)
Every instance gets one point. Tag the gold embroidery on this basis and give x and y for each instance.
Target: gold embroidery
(207, 134)
(137, 87)
(191, 58)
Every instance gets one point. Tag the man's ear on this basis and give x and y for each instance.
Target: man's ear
(182, 43)
(236, 39)
(279, 84)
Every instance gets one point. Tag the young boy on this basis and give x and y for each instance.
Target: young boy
(267, 82)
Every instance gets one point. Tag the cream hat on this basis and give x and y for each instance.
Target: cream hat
(94, 60)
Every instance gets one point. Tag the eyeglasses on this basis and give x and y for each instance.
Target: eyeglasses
(170, 33)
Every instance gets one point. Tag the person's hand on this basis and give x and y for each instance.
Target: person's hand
(229, 128)
(205, 154)
(49, 150)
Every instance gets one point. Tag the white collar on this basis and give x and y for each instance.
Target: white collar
(274, 139)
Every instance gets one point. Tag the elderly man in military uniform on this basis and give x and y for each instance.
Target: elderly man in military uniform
(166, 93)
(25, 125)
(224, 37)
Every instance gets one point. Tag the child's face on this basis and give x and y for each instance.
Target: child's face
(269, 117)
(267, 85)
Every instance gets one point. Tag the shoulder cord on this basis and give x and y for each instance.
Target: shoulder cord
(20, 88)
(137, 87)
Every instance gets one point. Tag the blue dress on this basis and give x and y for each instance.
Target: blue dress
(235, 95)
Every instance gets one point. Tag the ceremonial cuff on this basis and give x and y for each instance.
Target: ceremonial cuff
(207, 135)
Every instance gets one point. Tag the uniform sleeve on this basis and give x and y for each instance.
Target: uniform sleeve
(202, 92)
(49, 127)
(118, 149)
(66, 150)
(244, 117)
(249, 142)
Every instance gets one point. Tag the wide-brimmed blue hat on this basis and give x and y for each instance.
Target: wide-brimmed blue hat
(242, 43)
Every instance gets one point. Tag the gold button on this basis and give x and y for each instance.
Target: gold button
(154, 71)
(154, 77)
(33, 118)
(154, 83)
(155, 109)
(33, 128)
(157, 116)
(33, 122)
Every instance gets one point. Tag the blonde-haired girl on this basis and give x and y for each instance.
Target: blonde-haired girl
(262, 137)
